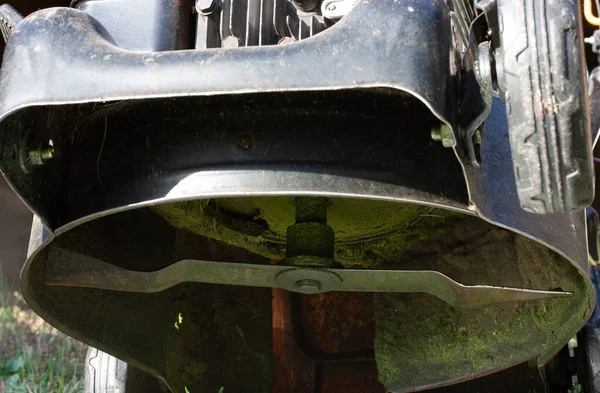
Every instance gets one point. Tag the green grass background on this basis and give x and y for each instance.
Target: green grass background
(35, 357)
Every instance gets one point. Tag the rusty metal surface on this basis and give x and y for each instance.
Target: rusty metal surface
(313, 325)
(359, 377)
(291, 366)
(337, 323)
(305, 336)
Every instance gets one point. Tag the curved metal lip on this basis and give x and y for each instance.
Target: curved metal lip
(429, 106)
(274, 177)
(174, 197)
(354, 17)
(337, 31)
(455, 381)
(270, 177)
(541, 361)
(136, 97)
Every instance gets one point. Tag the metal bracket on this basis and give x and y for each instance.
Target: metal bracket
(489, 9)
(476, 99)
(479, 82)
(72, 269)
(594, 98)
(476, 36)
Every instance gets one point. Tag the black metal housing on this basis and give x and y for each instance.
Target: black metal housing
(143, 25)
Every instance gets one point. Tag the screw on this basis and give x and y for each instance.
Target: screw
(443, 134)
(436, 134)
(308, 286)
(206, 7)
(331, 7)
(231, 42)
(39, 156)
(478, 137)
(245, 141)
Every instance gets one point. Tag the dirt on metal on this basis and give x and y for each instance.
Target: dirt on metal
(420, 339)
(367, 233)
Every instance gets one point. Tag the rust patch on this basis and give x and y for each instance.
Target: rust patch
(337, 323)
(292, 370)
(360, 377)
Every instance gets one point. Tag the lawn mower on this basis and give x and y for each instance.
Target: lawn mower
(309, 195)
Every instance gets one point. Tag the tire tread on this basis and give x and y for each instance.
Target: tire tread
(545, 92)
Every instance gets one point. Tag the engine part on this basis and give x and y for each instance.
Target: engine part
(232, 24)
(310, 241)
(9, 19)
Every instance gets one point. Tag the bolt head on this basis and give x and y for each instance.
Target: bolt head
(206, 7)
(478, 137)
(447, 137)
(308, 286)
(231, 42)
(39, 156)
(444, 135)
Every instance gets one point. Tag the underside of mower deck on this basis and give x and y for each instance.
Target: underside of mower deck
(300, 196)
